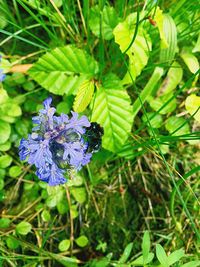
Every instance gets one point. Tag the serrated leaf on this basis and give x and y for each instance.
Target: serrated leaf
(126, 253)
(109, 21)
(161, 256)
(192, 104)
(23, 228)
(177, 126)
(145, 246)
(139, 51)
(62, 70)
(170, 32)
(84, 95)
(113, 111)
(175, 256)
(5, 131)
(173, 78)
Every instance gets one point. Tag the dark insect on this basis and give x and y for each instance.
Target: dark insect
(93, 136)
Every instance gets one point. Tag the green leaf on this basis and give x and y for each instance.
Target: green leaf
(145, 246)
(190, 60)
(62, 70)
(5, 222)
(112, 110)
(173, 78)
(5, 161)
(160, 102)
(174, 123)
(191, 264)
(6, 146)
(140, 260)
(3, 96)
(159, 19)
(175, 256)
(126, 253)
(109, 20)
(82, 241)
(192, 104)
(5, 131)
(1, 184)
(65, 106)
(12, 242)
(161, 256)
(79, 193)
(46, 216)
(23, 228)
(156, 121)
(139, 51)
(55, 195)
(84, 95)
(167, 54)
(11, 109)
(15, 171)
(197, 45)
(64, 245)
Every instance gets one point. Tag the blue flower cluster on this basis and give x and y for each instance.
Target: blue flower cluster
(56, 144)
(2, 75)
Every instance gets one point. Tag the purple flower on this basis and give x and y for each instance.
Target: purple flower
(56, 144)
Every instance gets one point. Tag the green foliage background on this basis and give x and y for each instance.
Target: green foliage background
(133, 67)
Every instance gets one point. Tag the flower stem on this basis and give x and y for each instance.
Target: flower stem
(71, 221)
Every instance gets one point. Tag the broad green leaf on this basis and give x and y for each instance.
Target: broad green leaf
(175, 256)
(5, 222)
(62, 70)
(126, 253)
(5, 131)
(159, 19)
(79, 194)
(12, 242)
(6, 146)
(3, 96)
(161, 256)
(64, 245)
(113, 111)
(139, 51)
(156, 121)
(55, 195)
(109, 21)
(197, 45)
(173, 78)
(190, 60)
(10, 109)
(161, 103)
(140, 261)
(177, 126)
(23, 228)
(84, 95)
(15, 171)
(46, 216)
(191, 264)
(66, 105)
(5, 161)
(82, 241)
(192, 104)
(145, 246)
(170, 32)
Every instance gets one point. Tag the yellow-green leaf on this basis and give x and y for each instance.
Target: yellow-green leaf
(84, 95)
(138, 53)
(159, 19)
(192, 104)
